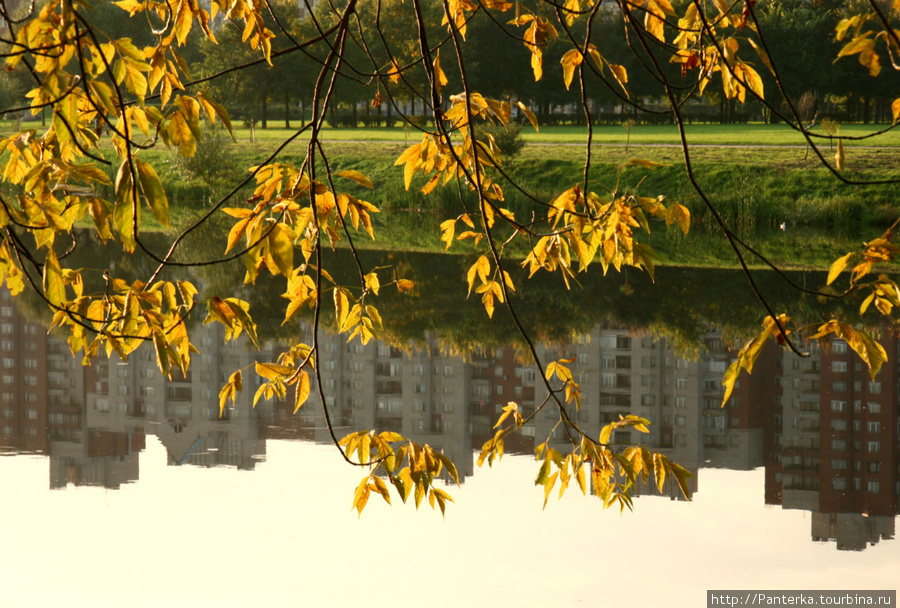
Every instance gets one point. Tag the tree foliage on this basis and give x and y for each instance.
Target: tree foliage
(115, 88)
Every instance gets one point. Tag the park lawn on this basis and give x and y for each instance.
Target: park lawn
(713, 135)
(700, 134)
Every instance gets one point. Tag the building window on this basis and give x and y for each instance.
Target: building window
(874, 466)
(874, 446)
(718, 367)
(681, 383)
(874, 427)
(838, 406)
(839, 386)
(875, 388)
(838, 483)
(838, 445)
(874, 408)
(839, 347)
(680, 402)
(839, 464)
(839, 366)
(680, 420)
(873, 487)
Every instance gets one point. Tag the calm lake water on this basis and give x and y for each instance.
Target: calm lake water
(121, 488)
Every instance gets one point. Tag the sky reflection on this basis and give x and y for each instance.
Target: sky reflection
(284, 535)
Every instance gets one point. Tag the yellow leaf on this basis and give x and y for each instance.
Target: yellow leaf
(361, 496)
(302, 391)
(752, 79)
(341, 305)
(570, 61)
(641, 162)
(237, 231)
(394, 73)
(448, 229)
(356, 176)
(659, 468)
(731, 376)
(533, 119)
(54, 286)
(839, 156)
(153, 192)
(372, 283)
(838, 267)
(679, 215)
(273, 371)
(723, 6)
(548, 487)
(440, 79)
(895, 109)
(381, 487)
(620, 74)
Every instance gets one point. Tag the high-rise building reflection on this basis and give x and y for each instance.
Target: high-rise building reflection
(826, 432)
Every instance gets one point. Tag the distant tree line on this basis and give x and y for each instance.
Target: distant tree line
(800, 33)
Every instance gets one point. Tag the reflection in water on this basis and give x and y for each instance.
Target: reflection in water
(825, 432)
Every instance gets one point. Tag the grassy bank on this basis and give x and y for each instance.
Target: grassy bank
(757, 190)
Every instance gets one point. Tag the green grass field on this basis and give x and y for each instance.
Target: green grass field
(755, 189)
(704, 135)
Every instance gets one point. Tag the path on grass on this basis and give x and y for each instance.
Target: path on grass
(620, 145)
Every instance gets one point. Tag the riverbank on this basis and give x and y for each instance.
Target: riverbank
(773, 193)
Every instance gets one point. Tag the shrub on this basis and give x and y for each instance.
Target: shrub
(508, 139)
(213, 163)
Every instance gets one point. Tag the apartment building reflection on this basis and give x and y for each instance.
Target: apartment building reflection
(826, 432)
(832, 444)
